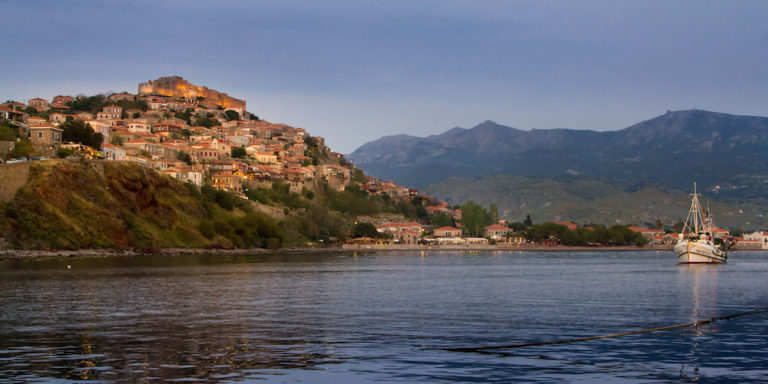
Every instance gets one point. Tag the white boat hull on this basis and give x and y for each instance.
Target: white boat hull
(690, 252)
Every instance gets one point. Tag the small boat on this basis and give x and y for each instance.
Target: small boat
(696, 243)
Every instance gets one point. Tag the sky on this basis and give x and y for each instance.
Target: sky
(353, 71)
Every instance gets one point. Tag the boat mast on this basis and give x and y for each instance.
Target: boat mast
(695, 221)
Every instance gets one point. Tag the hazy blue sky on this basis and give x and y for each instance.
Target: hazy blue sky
(353, 71)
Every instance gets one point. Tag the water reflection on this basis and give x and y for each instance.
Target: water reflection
(701, 281)
(377, 317)
(103, 320)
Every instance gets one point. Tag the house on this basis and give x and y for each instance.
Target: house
(263, 157)
(9, 113)
(227, 181)
(122, 96)
(759, 236)
(140, 145)
(226, 166)
(223, 145)
(646, 232)
(34, 120)
(58, 107)
(138, 127)
(60, 99)
(203, 153)
(439, 209)
(497, 231)
(744, 243)
(39, 104)
(58, 118)
(45, 136)
(114, 112)
(407, 236)
(113, 152)
(398, 227)
(240, 141)
(84, 116)
(720, 233)
(157, 104)
(166, 126)
(394, 190)
(572, 226)
(448, 232)
(193, 176)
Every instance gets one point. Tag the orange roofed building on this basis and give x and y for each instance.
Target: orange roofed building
(448, 232)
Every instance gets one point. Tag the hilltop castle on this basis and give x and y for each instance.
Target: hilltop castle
(175, 86)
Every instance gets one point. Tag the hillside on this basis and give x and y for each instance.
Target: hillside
(723, 153)
(587, 200)
(98, 204)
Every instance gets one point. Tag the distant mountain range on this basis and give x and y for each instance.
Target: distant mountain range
(725, 154)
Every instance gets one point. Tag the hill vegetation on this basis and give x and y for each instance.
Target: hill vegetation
(590, 200)
(632, 175)
(71, 204)
(75, 205)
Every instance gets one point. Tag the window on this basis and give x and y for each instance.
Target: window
(39, 135)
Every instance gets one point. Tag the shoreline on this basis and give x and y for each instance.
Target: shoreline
(16, 254)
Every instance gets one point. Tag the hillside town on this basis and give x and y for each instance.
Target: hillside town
(201, 136)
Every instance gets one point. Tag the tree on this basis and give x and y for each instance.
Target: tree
(206, 122)
(185, 157)
(474, 218)
(239, 153)
(232, 115)
(365, 230)
(77, 131)
(528, 222)
(7, 132)
(518, 226)
(442, 220)
(186, 115)
(493, 213)
(116, 139)
(64, 152)
(23, 148)
(421, 213)
(658, 224)
(91, 104)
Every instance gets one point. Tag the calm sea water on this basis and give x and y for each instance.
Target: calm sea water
(346, 318)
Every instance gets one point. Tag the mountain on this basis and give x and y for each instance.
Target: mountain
(724, 153)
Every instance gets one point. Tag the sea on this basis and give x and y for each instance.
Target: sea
(388, 317)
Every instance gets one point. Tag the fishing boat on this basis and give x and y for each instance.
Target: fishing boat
(696, 243)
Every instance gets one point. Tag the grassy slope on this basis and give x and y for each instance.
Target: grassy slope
(71, 205)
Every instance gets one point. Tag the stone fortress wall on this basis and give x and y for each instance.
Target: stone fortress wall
(176, 87)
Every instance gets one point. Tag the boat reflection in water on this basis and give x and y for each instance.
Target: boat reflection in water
(701, 281)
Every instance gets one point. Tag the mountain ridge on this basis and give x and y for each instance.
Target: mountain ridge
(651, 150)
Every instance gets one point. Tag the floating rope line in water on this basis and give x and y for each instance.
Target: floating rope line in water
(691, 324)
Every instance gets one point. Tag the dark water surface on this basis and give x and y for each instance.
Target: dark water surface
(344, 318)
